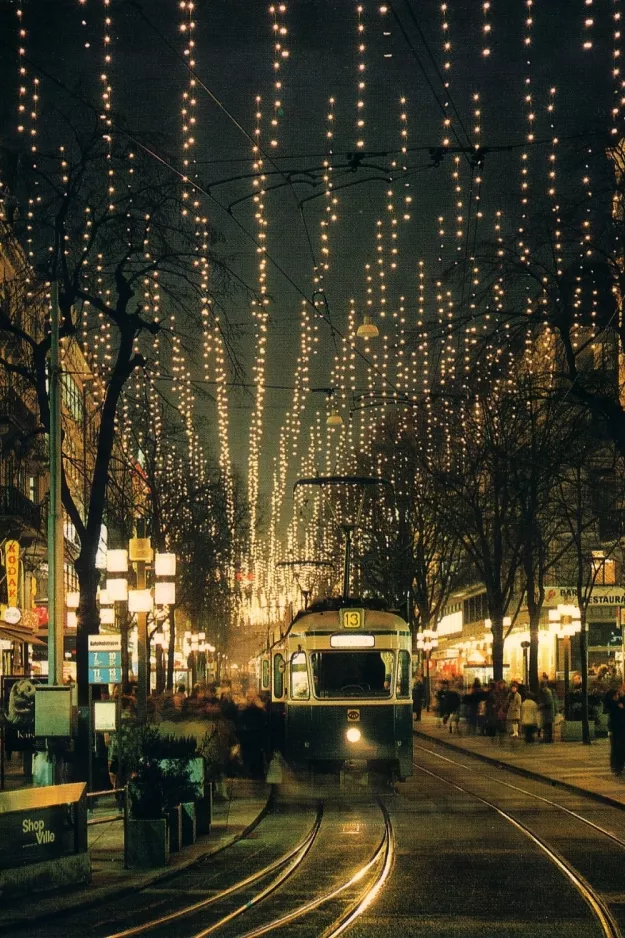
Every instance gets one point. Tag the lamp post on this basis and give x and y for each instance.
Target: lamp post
(426, 641)
(526, 663)
(564, 622)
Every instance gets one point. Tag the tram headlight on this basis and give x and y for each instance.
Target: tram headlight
(353, 734)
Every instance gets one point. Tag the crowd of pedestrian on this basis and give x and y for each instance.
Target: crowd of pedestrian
(236, 739)
(497, 709)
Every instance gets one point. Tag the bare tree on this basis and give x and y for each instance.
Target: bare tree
(110, 227)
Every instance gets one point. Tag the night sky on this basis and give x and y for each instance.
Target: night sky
(404, 57)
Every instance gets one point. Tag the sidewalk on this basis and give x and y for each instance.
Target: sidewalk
(583, 769)
(110, 879)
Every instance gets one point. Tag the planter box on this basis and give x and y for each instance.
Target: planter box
(571, 731)
(174, 822)
(189, 831)
(204, 811)
(147, 843)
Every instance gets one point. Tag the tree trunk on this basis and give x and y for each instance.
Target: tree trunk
(583, 648)
(171, 649)
(88, 624)
(497, 652)
(533, 663)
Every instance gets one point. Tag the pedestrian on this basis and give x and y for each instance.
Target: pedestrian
(500, 704)
(529, 718)
(418, 694)
(546, 712)
(252, 731)
(474, 700)
(441, 704)
(491, 707)
(615, 705)
(513, 711)
(452, 708)
(180, 696)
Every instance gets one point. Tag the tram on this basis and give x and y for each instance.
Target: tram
(341, 688)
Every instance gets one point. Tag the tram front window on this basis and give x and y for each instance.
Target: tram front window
(352, 673)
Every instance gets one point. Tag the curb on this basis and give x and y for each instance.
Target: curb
(103, 893)
(528, 773)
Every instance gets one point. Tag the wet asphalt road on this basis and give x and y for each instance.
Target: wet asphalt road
(460, 868)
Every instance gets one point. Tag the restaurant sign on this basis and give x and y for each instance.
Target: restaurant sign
(600, 596)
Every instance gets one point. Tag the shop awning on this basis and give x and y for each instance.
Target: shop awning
(13, 633)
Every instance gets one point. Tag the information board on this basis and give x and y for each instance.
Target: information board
(53, 711)
(105, 716)
(105, 659)
(105, 675)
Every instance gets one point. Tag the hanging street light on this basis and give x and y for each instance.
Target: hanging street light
(367, 329)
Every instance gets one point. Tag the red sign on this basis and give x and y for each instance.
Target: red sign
(42, 615)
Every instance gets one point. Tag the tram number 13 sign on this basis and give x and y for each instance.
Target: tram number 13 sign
(351, 618)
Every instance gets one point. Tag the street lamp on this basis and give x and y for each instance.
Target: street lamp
(367, 329)
(426, 641)
(564, 622)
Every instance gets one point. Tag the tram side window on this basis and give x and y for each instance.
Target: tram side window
(300, 689)
(278, 676)
(403, 674)
(265, 674)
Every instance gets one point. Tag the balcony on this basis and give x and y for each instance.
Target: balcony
(14, 412)
(19, 517)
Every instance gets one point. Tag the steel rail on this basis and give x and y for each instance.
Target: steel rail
(371, 893)
(385, 848)
(531, 794)
(293, 855)
(270, 888)
(592, 898)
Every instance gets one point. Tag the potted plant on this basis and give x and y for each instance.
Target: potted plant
(159, 784)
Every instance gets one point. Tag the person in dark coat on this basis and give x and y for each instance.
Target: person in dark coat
(452, 707)
(418, 695)
(252, 728)
(546, 711)
(615, 706)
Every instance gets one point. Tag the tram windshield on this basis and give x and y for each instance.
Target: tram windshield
(352, 673)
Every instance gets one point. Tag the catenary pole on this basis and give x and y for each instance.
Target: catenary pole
(55, 514)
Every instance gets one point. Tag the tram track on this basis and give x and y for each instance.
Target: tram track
(593, 897)
(374, 872)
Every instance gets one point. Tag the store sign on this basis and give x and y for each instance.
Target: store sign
(12, 615)
(12, 567)
(600, 596)
(36, 835)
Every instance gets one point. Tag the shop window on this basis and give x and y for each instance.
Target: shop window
(265, 674)
(300, 688)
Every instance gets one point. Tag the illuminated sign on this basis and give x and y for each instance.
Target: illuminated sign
(12, 567)
(351, 618)
(352, 641)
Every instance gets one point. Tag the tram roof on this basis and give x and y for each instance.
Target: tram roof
(324, 614)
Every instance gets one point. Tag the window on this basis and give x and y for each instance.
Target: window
(603, 570)
(72, 397)
(300, 689)
(403, 674)
(265, 674)
(278, 676)
(352, 673)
